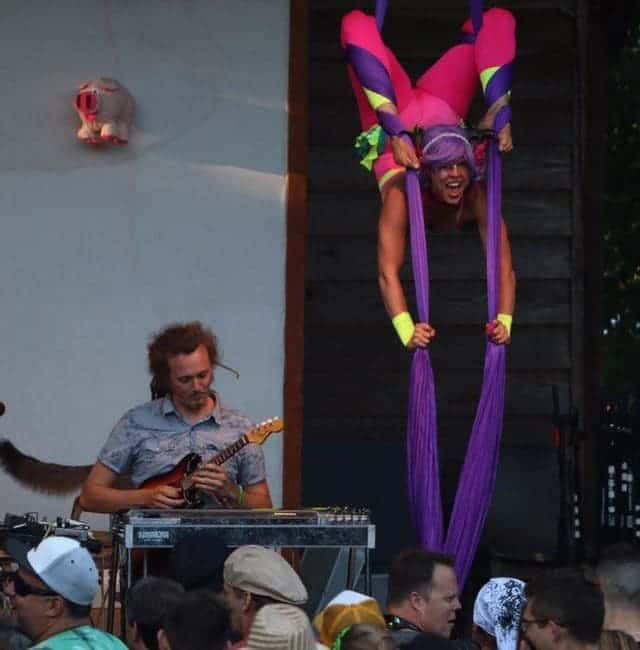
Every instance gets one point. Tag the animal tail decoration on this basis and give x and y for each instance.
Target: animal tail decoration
(38, 475)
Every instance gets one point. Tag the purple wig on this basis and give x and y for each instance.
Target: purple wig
(444, 145)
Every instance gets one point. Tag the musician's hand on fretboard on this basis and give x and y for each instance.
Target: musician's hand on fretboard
(213, 479)
(164, 496)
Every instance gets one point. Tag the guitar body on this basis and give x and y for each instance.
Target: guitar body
(176, 478)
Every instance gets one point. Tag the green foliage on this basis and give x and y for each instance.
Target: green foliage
(621, 327)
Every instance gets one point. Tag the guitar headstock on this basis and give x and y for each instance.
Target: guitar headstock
(262, 431)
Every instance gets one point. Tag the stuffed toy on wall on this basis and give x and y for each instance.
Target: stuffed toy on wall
(105, 107)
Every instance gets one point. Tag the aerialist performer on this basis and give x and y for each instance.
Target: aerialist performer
(390, 108)
(440, 174)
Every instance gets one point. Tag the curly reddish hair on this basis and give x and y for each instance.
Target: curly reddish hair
(177, 338)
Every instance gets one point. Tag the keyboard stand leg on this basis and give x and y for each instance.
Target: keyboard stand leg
(125, 585)
(323, 571)
(328, 571)
(368, 586)
(113, 579)
(357, 562)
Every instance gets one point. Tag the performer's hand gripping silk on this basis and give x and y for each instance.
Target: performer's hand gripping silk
(390, 107)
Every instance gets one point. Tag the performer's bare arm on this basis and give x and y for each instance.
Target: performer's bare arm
(99, 495)
(507, 297)
(392, 237)
(505, 138)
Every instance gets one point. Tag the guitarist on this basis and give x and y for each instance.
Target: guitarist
(184, 416)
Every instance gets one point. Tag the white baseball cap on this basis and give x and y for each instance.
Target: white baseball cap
(62, 563)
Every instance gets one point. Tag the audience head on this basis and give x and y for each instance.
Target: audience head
(617, 640)
(54, 586)
(423, 589)
(619, 576)
(497, 612)
(255, 576)
(281, 627)
(200, 621)
(563, 606)
(11, 638)
(6, 578)
(366, 636)
(197, 562)
(346, 609)
(148, 602)
(6, 611)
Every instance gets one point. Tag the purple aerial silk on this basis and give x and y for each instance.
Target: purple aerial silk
(381, 10)
(477, 479)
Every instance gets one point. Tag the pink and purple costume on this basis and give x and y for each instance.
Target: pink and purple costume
(442, 95)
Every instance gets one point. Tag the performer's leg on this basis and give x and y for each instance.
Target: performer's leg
(495, 44)
(377, 79)
(386, 170)
(454, 77)
(495, 50)
(376, 75)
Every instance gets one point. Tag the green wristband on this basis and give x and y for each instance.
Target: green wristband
(240, 495)
(506, 320)
(403, 324)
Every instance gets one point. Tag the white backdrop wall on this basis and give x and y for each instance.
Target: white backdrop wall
(100, 248)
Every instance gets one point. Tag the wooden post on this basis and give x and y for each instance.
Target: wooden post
(295, 264)
(590, 175)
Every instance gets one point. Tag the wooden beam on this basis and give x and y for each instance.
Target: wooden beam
(296, 235)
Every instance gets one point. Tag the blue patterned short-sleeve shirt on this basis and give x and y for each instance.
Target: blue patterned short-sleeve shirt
(151, 439)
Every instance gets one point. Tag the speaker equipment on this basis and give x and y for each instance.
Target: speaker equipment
(620, 466)
(525, 520)
(362, 473)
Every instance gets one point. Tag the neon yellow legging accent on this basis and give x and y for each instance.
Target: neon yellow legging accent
(389, 174)
(375, 99)
(486, 74)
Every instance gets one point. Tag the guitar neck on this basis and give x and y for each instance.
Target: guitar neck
(229, 451)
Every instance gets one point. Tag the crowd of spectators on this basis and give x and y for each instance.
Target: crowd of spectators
(252, 599)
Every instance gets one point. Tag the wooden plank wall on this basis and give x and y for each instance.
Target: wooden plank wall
(356, 373)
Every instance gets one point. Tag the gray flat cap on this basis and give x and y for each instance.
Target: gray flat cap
(263, 572)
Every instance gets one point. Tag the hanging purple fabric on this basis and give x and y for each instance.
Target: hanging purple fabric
(381, 10)
(422, 439)
(477, 479)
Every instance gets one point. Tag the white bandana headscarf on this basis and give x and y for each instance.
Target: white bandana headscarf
(498, 610)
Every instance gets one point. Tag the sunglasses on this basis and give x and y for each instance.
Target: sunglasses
(23, 588)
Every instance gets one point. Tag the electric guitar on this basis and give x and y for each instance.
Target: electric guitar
(180, 476)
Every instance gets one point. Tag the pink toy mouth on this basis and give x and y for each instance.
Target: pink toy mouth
(87, 104)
